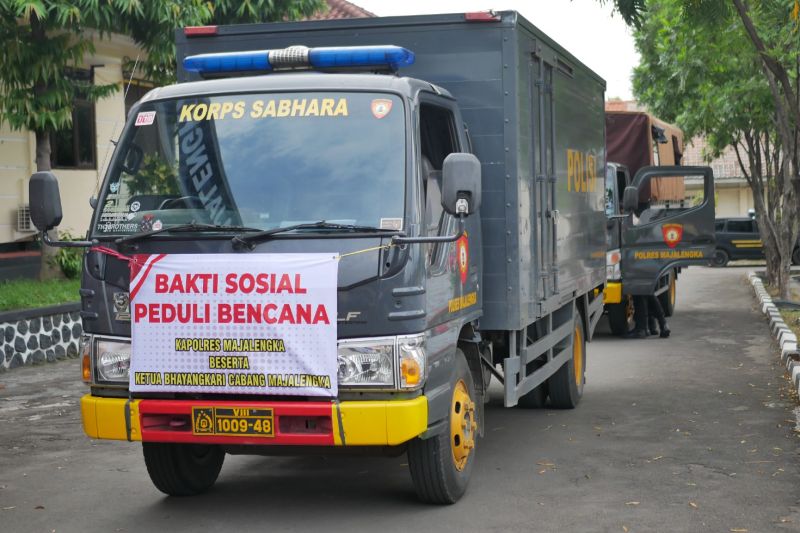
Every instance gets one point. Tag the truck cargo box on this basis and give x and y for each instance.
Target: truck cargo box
(535, 116)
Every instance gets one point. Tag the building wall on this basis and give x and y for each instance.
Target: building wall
(18, 150)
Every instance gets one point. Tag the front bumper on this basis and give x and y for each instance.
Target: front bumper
(353, 423)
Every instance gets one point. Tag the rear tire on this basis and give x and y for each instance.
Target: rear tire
(720, 259)
(667, 298)
(182, 469)
(534, 399)
(441, 465)
(566, 385)
(620, 316)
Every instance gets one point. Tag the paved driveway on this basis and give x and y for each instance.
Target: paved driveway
(694, 433)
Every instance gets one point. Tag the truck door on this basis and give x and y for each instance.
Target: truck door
(545, 225)
(672, 226)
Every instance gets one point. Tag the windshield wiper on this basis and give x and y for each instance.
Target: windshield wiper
(252, 238)
(192, 226)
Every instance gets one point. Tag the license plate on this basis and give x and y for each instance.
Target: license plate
(232, 421)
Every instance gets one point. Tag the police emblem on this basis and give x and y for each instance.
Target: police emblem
(381, 107)
(462, 251)
(673, 233)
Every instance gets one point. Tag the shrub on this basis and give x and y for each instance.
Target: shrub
(69, 260)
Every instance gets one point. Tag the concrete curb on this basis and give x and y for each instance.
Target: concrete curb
(786, 339)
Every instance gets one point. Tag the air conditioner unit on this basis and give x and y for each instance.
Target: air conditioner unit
(24, 223)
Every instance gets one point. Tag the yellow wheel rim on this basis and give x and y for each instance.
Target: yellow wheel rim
(672, 291)
(577, 356)
(629, 309)
(462, 425)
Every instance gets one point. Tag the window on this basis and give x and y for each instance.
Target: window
(740, 226)
(719, 225)
(438, 139)
(75, 147)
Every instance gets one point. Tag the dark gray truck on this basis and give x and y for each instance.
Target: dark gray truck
(454, 166)
(667, 212)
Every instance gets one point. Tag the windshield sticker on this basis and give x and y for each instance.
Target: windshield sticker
(381, 107)
(147, 223)
(145, 118)
(135, 205)
(114, 187)
(157, 225)
(391, 223)
(285, 107)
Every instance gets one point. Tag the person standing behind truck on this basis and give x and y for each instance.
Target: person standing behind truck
(648, 317)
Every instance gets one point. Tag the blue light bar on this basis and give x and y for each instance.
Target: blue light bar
(228, 62)
(294, 57)
(361, 56)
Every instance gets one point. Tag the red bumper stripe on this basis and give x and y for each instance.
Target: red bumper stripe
(295, 423)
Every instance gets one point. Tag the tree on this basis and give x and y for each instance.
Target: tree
(42, 40)
(702, 67)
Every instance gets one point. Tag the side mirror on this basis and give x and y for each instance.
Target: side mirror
(45, 201)
(461, 184)
(630, 199)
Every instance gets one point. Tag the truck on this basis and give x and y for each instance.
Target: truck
(318, 241)
(635, 140)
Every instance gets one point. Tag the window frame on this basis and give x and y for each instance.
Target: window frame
(436, 255)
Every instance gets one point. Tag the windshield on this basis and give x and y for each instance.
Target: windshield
(263, 161)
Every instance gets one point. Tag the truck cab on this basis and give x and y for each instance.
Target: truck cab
(639, 143)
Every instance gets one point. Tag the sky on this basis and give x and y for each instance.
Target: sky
(584, 27)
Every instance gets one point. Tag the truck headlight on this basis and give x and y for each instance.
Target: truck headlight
(112, 360)
(613, 265)
(385, 362)
(413, 363)
(366, 362)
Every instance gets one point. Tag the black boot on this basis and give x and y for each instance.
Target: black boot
(635, 334)
(664, 330)
(652, 325)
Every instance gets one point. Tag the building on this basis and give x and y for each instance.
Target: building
(80, 155)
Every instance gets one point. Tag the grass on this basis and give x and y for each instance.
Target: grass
(791, 318)
(28, 293)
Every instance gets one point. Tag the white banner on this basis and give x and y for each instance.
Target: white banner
(234, 323)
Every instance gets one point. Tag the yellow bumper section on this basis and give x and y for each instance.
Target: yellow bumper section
(612, 294)
(104, 418)
(379, 423)
(356, 423)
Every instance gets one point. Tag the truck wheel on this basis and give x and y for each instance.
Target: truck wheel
(720, 258)
(667, 298)
(566, 385)
(441, 465)
(620, 316)
(182, 469)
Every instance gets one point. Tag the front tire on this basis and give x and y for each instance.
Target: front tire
(182, 469)
(620, 316)
(441, 465)
(566, 385)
